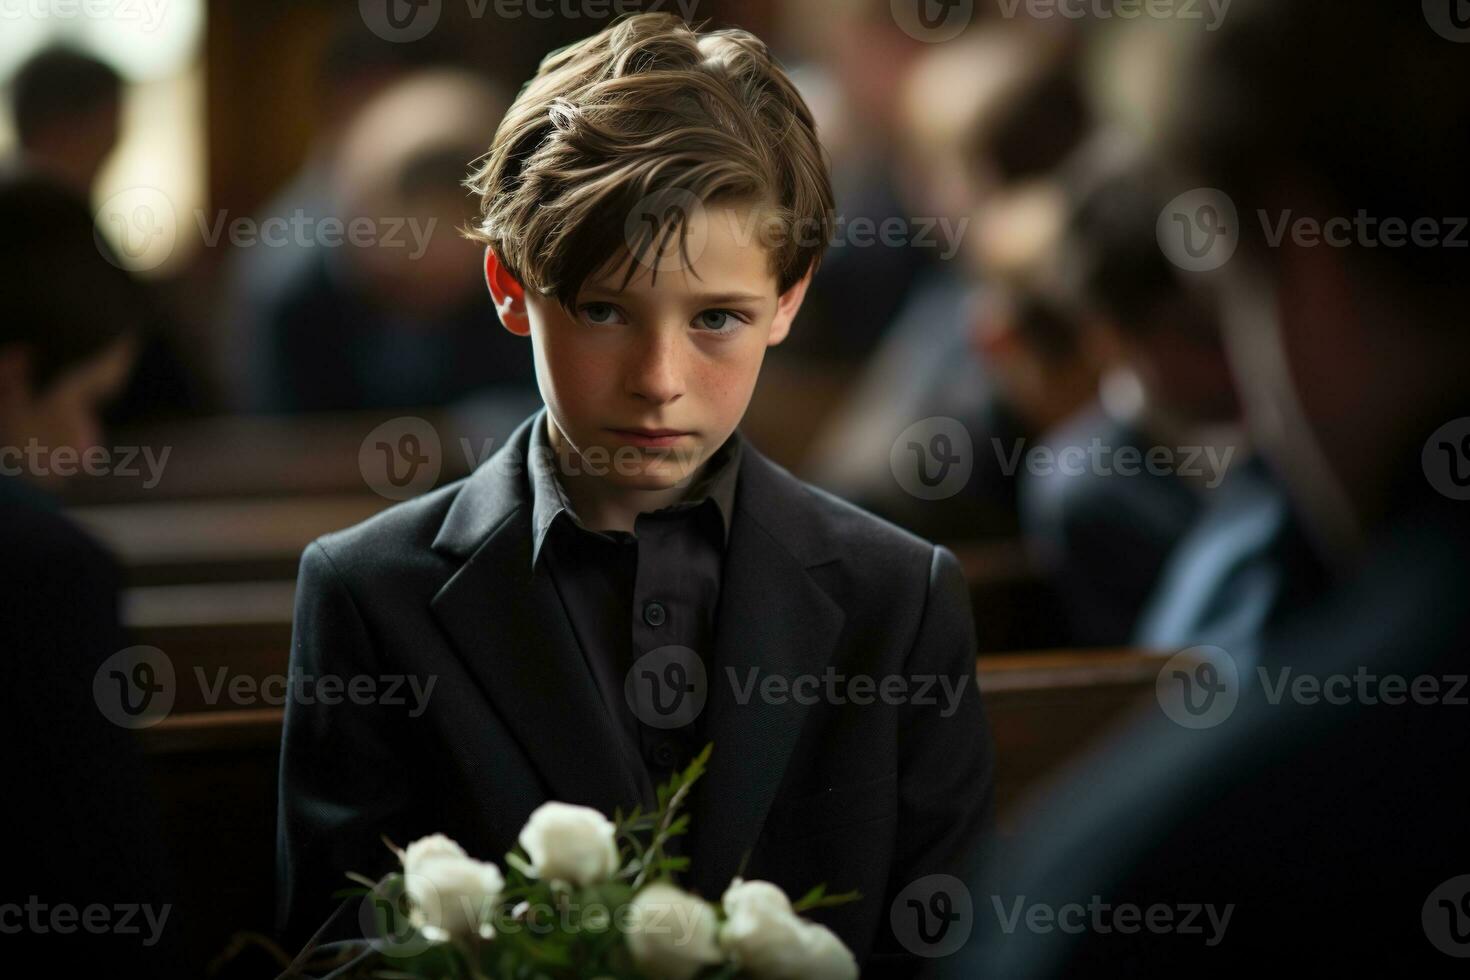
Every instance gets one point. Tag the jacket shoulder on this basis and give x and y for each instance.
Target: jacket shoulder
(831, 527)
(396, 540)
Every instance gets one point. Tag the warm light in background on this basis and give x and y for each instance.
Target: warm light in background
(155, 46)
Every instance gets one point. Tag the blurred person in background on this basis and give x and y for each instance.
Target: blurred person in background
(354, 69)
(401, 320)
(1164, 388)
(1327, 820)
(851, 56)
(1246, 562)
(67, 109)
(980, 116)
(76, 791)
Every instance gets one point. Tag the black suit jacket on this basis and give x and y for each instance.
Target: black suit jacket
(859, 796)
(76, 786)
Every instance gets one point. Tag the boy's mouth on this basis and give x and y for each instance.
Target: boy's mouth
(650, 438)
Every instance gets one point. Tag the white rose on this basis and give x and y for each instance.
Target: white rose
(672, 935)
(435, 845)
(571, 843)
(824, 956)
(768, 939)
(452, 895)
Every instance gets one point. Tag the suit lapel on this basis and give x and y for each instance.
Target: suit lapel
(509, 627)
(773, 620)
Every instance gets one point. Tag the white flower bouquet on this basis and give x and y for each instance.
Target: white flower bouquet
(584, 896)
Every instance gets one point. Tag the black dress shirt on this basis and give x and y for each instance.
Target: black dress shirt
(642, 605)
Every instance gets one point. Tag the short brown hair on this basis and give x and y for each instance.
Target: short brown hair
(648, 106)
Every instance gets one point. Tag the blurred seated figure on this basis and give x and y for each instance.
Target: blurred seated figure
(1098, 522)
(1315, 802)
(67, 111)
(981, 114)
(395, 315)
(76, 793)
(1246, 562)
(853, 62)
(354, 69)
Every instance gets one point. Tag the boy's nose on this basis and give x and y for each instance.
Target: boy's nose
(656, 374)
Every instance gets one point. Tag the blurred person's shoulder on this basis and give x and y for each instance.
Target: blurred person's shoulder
(39, 540)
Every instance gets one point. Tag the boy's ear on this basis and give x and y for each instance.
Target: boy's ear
(788, 304)
(509, 295)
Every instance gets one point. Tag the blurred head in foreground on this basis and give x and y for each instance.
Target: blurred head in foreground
(1332, 147)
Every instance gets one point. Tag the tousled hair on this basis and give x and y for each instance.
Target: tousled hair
(653, 115)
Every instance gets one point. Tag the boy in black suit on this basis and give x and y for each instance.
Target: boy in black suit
(655, 204)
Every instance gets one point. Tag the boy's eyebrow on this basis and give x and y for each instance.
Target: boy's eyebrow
(708, 299)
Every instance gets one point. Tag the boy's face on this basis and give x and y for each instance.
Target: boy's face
(645, 382)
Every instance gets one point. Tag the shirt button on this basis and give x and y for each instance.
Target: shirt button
(665, 755)
(654, 614)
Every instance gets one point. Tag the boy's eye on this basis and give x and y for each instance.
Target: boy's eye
(717, 321)
(601, 313)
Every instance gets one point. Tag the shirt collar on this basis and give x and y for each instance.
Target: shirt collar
(715, 484)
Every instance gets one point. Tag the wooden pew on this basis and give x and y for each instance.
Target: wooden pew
(259, 456)
(1048, 707)
(214, 634)
(187, 542)
(1015, 607)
